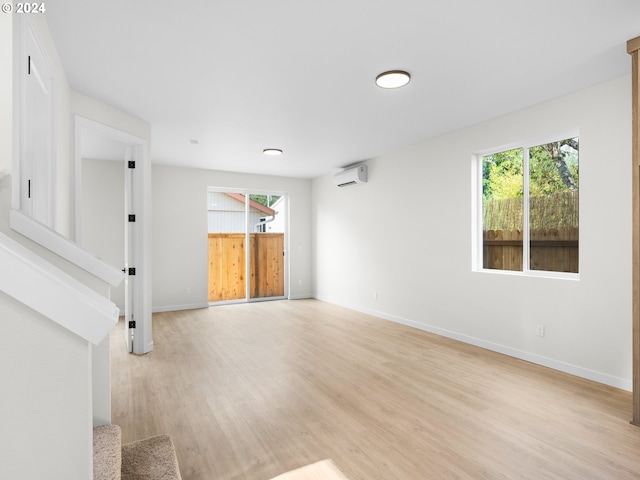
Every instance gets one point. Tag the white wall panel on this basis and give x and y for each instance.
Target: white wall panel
(45, 406)
(180, 227)
(400, 246)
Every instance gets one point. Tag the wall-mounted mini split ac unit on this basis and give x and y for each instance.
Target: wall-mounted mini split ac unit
(351, 176)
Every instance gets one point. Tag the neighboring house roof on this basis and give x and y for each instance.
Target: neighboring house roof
(258, 206)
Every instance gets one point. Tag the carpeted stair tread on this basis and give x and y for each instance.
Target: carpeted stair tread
(107, 452)
(153, 458)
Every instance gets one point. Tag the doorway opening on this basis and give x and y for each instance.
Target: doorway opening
(110, 213)
(247, 245)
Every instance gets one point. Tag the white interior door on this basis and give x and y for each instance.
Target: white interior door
(36, 143)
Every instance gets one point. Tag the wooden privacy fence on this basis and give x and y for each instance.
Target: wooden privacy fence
(559, 210)
(553, 249)
(227, 267)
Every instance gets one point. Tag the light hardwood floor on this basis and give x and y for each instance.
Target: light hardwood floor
(250, 391)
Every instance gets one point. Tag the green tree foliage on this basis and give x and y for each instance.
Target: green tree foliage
(502, 175)
(266, 200)
(553, 168)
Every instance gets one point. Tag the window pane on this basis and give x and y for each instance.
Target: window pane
(502, 207)
(553, 206)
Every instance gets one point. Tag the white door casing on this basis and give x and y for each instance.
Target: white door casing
(129, 250)
(137, 307)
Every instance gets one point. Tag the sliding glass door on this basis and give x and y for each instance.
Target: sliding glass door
(246, 238)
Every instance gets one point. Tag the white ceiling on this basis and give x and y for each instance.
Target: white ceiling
(240, 76)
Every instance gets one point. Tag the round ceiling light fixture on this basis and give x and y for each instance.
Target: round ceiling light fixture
(272, 151)
(393, 79)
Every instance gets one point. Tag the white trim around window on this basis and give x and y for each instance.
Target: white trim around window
(477, 208)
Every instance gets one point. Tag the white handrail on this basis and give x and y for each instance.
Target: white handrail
(33, 281)
(65, 248)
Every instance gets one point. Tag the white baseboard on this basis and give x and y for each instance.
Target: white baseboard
(195, 306)
(301, 296)
(175, 308)
(569, 368)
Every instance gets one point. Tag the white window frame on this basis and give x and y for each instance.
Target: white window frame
(476, 191)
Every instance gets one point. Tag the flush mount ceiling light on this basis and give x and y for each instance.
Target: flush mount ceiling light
(272, 151)
(393, 79)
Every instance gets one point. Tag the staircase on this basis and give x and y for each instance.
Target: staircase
(153, 458)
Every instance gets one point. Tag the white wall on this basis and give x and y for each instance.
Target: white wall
(100, 112)
(180, 231)
(45, 405)
(407, 236)
(102, 211)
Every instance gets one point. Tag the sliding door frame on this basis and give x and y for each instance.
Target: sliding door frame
(246, 192)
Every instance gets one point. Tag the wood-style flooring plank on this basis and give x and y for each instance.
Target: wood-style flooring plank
(250, 391)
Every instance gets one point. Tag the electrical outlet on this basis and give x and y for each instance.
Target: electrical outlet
(375, 295)
(188, 290)
(540, 330)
